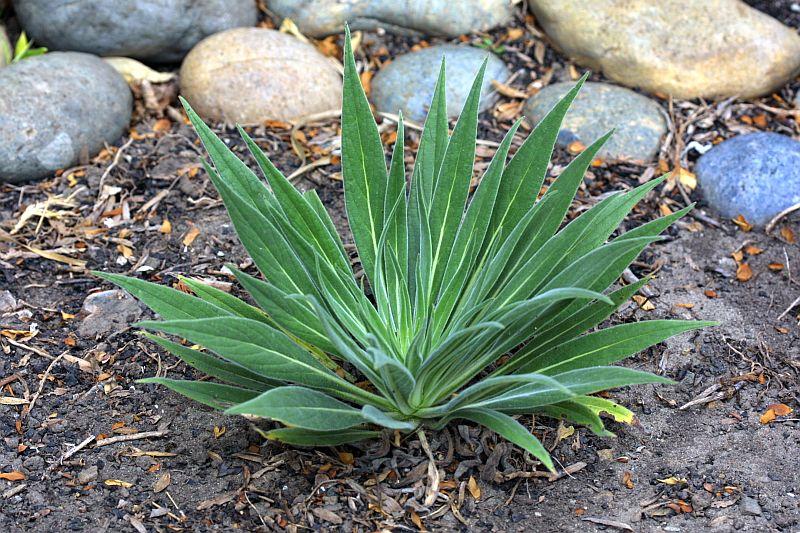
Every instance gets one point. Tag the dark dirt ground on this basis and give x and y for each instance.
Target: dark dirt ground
(712, 465)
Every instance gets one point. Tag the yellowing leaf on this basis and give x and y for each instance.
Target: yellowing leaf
(219, 431)
(564, 432)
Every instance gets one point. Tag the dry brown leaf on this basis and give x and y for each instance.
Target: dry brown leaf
(781, 409)
(366, 81)
(627, 480)
(768, 416)
(473, 487)
(775, 267)
(514, 33)
(743, 224)
(10, 400)
(685, 178)
(166, 227)
(643, 303)
(744, 272)
(508, 91)
(162, 482)
(134, 71)
(576, 147)
(161, 125)
(752, 250)
(191, 235)
(710, 293)
(347, 458)
(787, 234)
(12, 476)
(117, 483)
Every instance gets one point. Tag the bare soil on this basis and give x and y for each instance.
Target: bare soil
(712, 464)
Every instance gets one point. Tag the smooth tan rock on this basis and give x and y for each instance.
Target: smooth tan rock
(249, 75)
(687, 48)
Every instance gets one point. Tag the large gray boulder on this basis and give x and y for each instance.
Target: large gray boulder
(54, 107)
(155, 30)
(430, 17)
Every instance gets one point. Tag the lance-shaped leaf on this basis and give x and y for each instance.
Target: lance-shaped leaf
(363, 166)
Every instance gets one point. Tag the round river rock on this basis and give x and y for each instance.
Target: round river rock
(318, 18)
(599, 107)
(755, 175)
(687, 48)
(155, 30)
(408, 82)
(249, 75)
(54, 107)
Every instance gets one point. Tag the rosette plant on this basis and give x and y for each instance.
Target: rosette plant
(475, 306)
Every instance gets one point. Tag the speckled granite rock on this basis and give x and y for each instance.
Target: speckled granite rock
(709, 49)
(755, 175)
(430, 17)
(155, 30)
(249, 75)
(599, 107)
(55, 106)
(407, 83)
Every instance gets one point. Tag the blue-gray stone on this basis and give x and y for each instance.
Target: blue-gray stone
(318, 18)
(755, 175)
(599, 107)
(54, 107)
(407, 83)
(154, 30)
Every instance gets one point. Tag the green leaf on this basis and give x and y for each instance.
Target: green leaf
(376, 416)
(260, 349)
(452, 183)
(525, 173)
(363, 165)
(305, 437)
(303, 408)
(214, 395)
(511, 430)
(597, 378)
(225, 301)
(608, 345)
(215, 367)
(169, 303)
